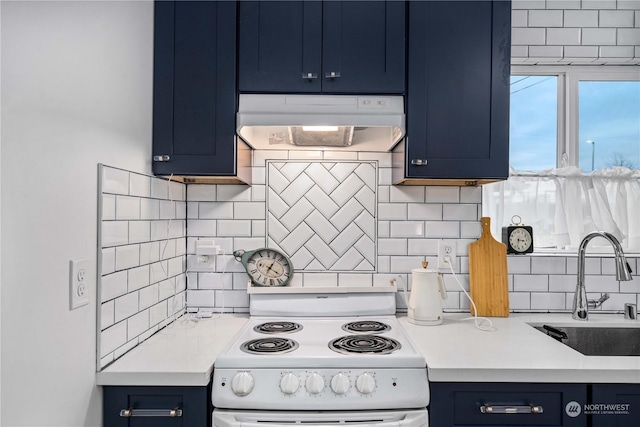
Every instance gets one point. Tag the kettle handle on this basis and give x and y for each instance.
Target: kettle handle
(443, 291)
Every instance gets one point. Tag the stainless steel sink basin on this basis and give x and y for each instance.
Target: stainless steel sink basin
(596, 341)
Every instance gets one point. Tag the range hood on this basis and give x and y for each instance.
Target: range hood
(321, 122)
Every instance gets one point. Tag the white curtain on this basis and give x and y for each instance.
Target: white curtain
(563, 205)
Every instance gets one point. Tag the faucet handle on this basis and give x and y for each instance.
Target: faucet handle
(630, 311)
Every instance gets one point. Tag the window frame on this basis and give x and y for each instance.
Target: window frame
(569, 78)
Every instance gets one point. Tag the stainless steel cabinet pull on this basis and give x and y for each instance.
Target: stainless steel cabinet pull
(163, 158)
(127, 413)
(419, 162)
(332, 75)
(504, 409)
(309, 76)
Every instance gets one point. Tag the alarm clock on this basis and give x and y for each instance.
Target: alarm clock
(518, 237)
(266, 266)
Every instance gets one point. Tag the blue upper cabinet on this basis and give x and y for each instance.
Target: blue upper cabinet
(194, 88)
(457, 94)
(329, 47)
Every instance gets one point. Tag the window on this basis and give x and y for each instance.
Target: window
(574, 153)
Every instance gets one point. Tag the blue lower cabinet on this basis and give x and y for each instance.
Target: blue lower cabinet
(507, 404)
(136, 406)
(614, 405)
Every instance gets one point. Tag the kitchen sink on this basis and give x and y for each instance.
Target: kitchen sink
(596, 341)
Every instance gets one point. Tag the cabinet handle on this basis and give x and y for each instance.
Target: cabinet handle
(309, 76)
(504, 409)
(419, 162)
(130, 412)
(332, 75)
(163, 158)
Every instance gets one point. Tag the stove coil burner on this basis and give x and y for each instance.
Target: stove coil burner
(271, 345)
(366, 326)
(364, 344)
(277, 327)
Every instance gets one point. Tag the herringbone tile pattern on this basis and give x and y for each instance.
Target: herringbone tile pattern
(323, 214)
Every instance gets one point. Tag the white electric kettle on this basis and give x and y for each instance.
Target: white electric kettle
(424, 305)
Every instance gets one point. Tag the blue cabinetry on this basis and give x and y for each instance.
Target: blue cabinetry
(194, 90)
(137, 406)
(457, 93)
(615, 405)
(315, 46)
(506, 404)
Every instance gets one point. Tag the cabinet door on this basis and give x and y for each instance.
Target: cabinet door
(458, 89)
(192, 401)
(625, 399)
(280, 46)
(459, 404)
(363, 44)
(194, 101)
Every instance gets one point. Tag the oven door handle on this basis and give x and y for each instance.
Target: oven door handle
(321, 424)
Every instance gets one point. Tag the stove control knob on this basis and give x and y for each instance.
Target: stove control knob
(365, 383)
(289, 383)
(340, 383)
(242, 383)
(314, 383)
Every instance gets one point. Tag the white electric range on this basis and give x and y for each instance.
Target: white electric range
(347, 360)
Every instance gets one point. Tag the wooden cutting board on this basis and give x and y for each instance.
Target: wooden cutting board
(488, 274)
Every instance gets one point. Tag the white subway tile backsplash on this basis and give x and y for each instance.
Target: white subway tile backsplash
(393, 246)
(139, 231)
(442, 229)
(563, 4)
(628, 4)
(114, 233)
(549, 53)
(599, 4)
(114, 181)
(528, 4)
(519, 301)
(108, 258)
(126, 306)
(113, 285)
(392, 211)
(562, 283)
(149, 252)
(340, 155)
(215, 210)
(407, 229)
(442, 194)
(425, 211)
(538, 282)
(601, 283)
(519, 18)
(459, 212)
(234, 193)
(598, 36)
(587, 52)
(616, 18)
(545, 18)
(547, 301)
(407, 194)
(629, 36)
(621, 52)
(138, 278)
(420, 247)
(580, 18)
(201, 298)
(139, 185)
(137, 324)
(404, 264)
(548, 265)
(160, 188)
(148, 296)
(108, 207)
(528, 36)
(565, 36)
(107, 312)
(112, 338)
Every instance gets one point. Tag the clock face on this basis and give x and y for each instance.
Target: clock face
(520, 239)
(268, 267)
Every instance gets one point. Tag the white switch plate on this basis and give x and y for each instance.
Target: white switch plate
(78, 279)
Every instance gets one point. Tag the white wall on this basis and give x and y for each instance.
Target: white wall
(76, 91)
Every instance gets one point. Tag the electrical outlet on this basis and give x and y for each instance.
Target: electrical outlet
(78, 288)
(446, 248)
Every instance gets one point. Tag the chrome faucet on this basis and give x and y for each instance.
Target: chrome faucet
(623, 272)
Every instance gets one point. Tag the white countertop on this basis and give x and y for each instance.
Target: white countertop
(516, 352)
(184, 354)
